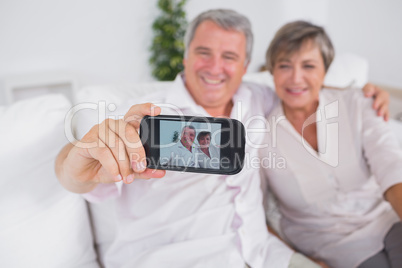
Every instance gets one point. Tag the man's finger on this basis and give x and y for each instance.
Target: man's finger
(383, 111)
(120, 154)
(106, 160)
(137, 112)
(386, 115)
(149, 174)
(369, 90)
(132, 144)
(117, 148)
(381, 98)
(103, 176)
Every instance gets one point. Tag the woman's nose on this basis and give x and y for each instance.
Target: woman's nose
(297, 75)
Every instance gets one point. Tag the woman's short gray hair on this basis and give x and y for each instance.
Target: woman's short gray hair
(290, 37)
(226, 19)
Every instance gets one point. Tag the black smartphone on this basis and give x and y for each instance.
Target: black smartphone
(193, 144)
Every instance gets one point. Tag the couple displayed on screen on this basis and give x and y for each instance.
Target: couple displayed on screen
(185, 152)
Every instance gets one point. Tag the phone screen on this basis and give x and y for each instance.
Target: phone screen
(193, 144)
(190, 144)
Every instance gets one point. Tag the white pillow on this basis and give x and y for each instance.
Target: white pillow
(347, 69)
(42, 225)
(116, 94)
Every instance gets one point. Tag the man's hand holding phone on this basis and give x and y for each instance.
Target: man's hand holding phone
(109, 152)
(113, 150)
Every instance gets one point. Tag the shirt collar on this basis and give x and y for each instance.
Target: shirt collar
(324, 110)
(323, 101)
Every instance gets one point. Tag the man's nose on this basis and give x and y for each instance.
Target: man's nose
(216, 65)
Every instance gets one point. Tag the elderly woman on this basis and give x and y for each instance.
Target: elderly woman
(341, 161)
(206, 155)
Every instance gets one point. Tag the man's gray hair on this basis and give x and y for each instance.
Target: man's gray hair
(226, 19)
(188, 126)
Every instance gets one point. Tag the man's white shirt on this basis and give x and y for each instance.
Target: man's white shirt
(180, 156)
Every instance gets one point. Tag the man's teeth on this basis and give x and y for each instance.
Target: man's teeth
(295, 90)
(211, 81)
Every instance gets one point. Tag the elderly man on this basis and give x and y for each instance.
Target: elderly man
(184, 220)
(181, 154)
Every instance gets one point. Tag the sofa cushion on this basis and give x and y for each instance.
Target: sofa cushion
(42, 225)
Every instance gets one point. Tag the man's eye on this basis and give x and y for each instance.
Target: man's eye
(308, 66)
(284, 66)
(228, 57)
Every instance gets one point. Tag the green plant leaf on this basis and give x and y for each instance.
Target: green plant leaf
(167, 46)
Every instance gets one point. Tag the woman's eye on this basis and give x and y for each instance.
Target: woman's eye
(309, 66)
(284, 66)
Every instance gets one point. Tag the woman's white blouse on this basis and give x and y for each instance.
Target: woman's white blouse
(203, 161)
(332, 202)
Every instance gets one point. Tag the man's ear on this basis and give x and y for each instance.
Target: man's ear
(184, 62)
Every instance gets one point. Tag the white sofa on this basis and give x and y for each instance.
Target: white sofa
(43, 225)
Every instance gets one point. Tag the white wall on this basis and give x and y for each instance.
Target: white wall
(105, 41)
(101, 41)
(372, 29)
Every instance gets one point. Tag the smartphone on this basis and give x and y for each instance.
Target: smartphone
(193, 144)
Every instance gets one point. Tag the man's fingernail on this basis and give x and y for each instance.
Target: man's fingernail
(130, 178)
(118, 178)
(153, 110)
(141, 166)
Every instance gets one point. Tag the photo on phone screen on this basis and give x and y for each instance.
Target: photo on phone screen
(194, 144)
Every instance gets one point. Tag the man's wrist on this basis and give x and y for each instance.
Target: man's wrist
(73, 184)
